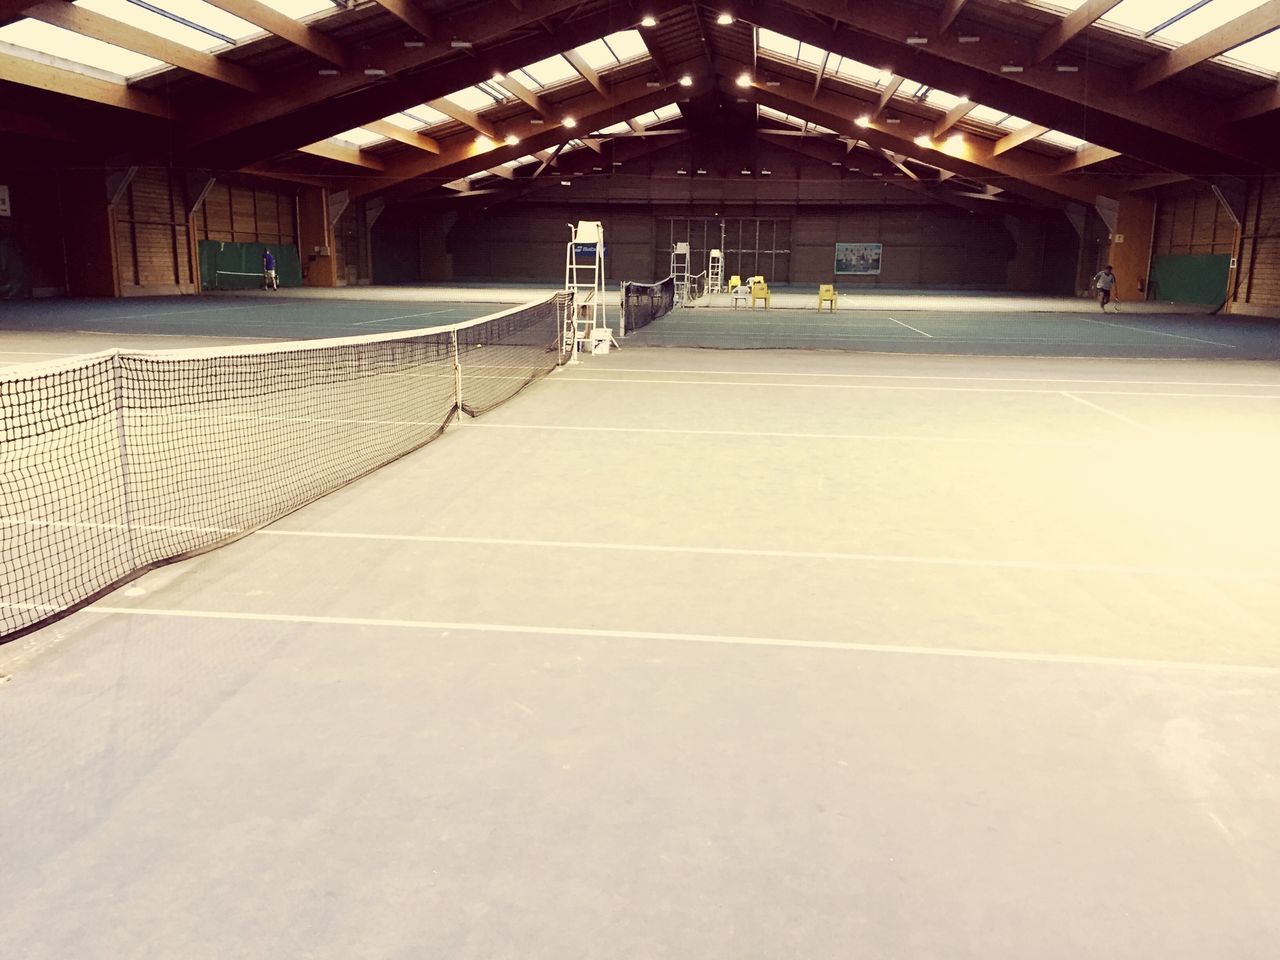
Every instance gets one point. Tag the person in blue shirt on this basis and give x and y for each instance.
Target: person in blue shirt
(269, 279)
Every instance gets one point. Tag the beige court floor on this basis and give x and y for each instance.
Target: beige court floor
(695, 653)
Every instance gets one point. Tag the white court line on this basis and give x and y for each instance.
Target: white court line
(1160, 333)
(35, 353)
(581, 378)
(232, 338)
(407, 316)
(778, 434)
(180, 313)
(564, 631)
(1099, 408)
(910, 327)
(930, 376)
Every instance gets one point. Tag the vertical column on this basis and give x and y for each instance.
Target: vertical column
(90, 246)
(1131, 244)
(315, 238)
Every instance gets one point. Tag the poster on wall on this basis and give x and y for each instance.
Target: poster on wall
(4, 201)
(858, 259)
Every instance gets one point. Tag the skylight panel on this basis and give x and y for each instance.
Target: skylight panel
(777, 43)
(668, 112)
(821, 129)
(143, 19)
(597, 55)
(1263, 53)
(416, 118)
(942, 100)
(851, 69)
(471, 98)
(988, 115)
(359, 136)
(614, 129)
(811, 55)
(1010, 122)
(207, 16)
(298, 8)
(627, 45)
(909, 88)
(1199, 22)
(65, 45)
(1058, 138)
(555, 69)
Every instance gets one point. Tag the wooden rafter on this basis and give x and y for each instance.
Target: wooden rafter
(952, 117)
(1071, 26)
(410, 14)
(1256, 104)
(44, 76)
(1248, 26)
(464, 116)
(886, 95)
(87, 23)
(585, 71)
(412, 138)
(1031, 131)
(343, 153)
(949, 14)
(523, 93)
(286, 28)
(1085, 157)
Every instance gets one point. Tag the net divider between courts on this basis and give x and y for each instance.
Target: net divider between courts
(643, 303)
(120, 461)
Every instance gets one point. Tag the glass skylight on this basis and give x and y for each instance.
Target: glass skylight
(614, 49)
(418, 117)
(613, 130)
(65, 45)
(849, 69)
(1263, 53)
(472, 98)
(359, 136)
(1058, 138)
(297, 8)
(229, 27)
(547, 73)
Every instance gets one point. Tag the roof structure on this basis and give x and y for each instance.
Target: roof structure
(1033, 101)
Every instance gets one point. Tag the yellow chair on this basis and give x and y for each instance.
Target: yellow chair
(759, 291)
(734, 282)
(827, 294)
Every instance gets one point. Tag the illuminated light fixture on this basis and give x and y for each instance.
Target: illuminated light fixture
(1067, 68)
(653, 83)
(482, 141)
(497, 77)
(460, 44)
(570, 122)
(863, 121)
(892, 119)
(725, 19)
(924, 141)
(648, 20)
(744, 79)
(836, 163)
(968, 38)
(682, 172)
(917, 41)
(702, 171)
(566, 183)
(414, 44)
(510, 139)
(763, 173)
(773, 83)
(1010, 68)
(877, 174)
(374, 72)
(955, 141)
(617, 163)
(328, 73)
(686, 81)
(745, 172)
(598, 168)
(538, 120)
(886, 77)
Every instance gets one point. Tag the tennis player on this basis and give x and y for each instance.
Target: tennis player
(1104, 281)
(269, 279)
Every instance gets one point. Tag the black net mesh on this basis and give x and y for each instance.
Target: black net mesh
(643, 303)
(118, 462)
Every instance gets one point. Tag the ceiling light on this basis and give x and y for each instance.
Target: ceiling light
(892, 119)
(566, 183)
(965, 38)
(917, 41)
(745, 172)
(686, 81)
(773, 83)
(1067, 68)
(1010, 68)
(835, 163)
(648, 20)
(863, 121)
(682, 172)
(763, 173)
(570, 122)
(483, 141)
(538, 120)
(510, 139)
(414, 44)
(955, 141)
(460, 44)
(702, 170)
(924, 141)
(497, 77)
(724, 19)
(653, 83)
(744, 79)
(886, 77)
(328, 73)
(374, 72)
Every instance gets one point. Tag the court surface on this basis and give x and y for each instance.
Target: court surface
(688, 653)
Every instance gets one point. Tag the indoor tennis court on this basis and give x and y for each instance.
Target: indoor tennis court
(639, 479)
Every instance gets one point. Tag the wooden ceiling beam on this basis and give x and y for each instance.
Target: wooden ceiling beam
(952, 117)
(585, 71)
(87, 23)
(886, 95)
(1071, 26)
(949, 14)
(412, 138)
(469, 118)
(412, 15)
(1255, 104)
(1248, 26)
(44, 76)
(343, 153)
(1016, 139)
(522, 93)
(287, 29)
(1085, 157)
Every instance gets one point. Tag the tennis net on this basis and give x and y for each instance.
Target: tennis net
(642, 303)
(117, 462)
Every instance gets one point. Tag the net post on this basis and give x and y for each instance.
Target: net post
(117, 381)
(457, 374)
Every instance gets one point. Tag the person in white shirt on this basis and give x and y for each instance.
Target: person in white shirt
(1104, 282)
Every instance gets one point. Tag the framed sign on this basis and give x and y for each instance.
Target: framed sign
(5, 211)
(858, 259)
